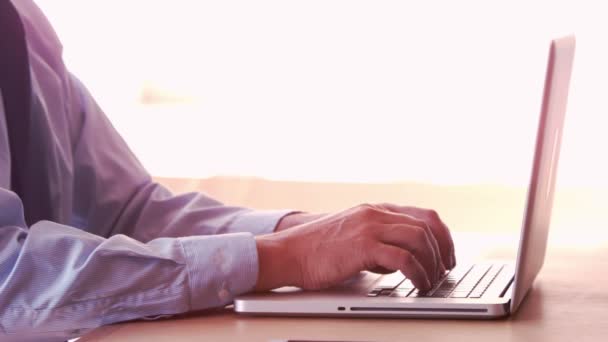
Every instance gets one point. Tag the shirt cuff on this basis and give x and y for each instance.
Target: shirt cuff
(220, 268)
(258, 222)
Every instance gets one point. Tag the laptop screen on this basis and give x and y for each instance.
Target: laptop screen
(537, 216)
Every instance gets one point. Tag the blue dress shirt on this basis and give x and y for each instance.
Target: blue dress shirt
(87, 238)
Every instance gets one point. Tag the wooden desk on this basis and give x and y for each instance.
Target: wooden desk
(568, 303)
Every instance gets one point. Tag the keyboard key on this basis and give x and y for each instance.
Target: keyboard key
(385, 293)
(471, 279)
(420, 294)
(502, 280)
(416, 293)
(475, 294)
(390, 281)
(441, 293)
(459, 294)
(449, 282)
(401, 293)
(484, 283)
(373, 293)
(458, 273)
(406, 285)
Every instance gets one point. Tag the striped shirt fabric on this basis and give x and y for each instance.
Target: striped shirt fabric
(87, 238)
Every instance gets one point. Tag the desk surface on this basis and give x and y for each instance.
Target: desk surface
(568, 303)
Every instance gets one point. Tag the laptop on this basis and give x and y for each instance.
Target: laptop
(487, 289)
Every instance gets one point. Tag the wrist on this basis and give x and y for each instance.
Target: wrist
(275, 264)
(295, 219)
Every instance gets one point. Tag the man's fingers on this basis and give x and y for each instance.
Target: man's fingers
(449, 245)
(395, 258)
(417, 241)
(386, 216)
(439, 229)
(441, 268)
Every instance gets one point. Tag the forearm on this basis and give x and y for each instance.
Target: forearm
(59, 278)
(116, 195)
(119, 279)
(154, 212)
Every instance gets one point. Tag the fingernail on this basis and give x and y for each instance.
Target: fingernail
(428, 285)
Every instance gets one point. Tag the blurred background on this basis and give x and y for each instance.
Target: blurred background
(323, 104)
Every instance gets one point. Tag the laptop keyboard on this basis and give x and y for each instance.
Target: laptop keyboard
(462, 282)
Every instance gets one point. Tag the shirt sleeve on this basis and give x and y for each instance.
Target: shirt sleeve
(116, 195)
(122, 247)
(130, 250)
(56, 279)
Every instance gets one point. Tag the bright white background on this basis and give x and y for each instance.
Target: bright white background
(365, 91)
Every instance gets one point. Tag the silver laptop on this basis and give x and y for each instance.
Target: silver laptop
(487, 289)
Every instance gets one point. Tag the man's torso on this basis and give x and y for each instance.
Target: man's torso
(44, 142)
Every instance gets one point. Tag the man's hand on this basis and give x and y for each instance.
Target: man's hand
(328, 249)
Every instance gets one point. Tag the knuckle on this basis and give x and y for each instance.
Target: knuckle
(385, 205)
(406, 258)
(421, 224)
(432, 214)
(419, 235)
(365, 206)
(367, 211)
